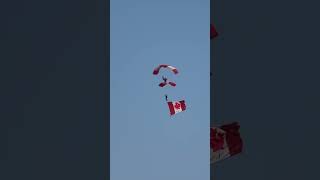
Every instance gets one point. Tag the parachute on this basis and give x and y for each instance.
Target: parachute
(157, 69)
(164, 83)
(225, 141)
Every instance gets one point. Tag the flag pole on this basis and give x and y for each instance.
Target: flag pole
(166, 97)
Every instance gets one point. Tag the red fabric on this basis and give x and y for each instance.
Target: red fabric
(176, 107)
(233, 138)
(171, 108)
(157, 69)
(213, 32)
(172, 84)
(231, 134)
(183, 105)
(162, 84)
(216, 140)
(175, 71)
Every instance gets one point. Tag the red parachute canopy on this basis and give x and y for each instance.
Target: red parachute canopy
(213, 32)
(225, 141)
(165, 83)
(157, 69)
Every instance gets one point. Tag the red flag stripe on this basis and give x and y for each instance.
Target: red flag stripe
(171, 108)
(233, 138)
(183, 105)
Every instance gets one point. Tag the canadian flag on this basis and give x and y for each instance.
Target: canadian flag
(176, 107)
(225, 141)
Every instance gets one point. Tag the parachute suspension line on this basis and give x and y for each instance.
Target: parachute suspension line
(166, 96)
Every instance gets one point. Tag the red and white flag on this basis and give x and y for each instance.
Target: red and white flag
(176, 107)
(225, 141)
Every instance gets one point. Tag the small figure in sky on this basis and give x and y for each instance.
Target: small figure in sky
(164, 79)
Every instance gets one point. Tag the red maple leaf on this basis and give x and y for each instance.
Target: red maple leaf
(177, 105)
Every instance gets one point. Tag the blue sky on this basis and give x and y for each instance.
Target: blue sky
(147, 144)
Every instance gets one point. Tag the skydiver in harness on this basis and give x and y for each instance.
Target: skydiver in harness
(164, 79)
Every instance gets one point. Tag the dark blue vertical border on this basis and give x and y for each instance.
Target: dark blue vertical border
(103, 94)
(54, 90)
(212, 70)
(266, 62)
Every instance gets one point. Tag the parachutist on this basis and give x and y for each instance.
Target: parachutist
(164, 79)
(166, 97)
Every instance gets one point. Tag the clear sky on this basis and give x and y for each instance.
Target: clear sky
(146, 144)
